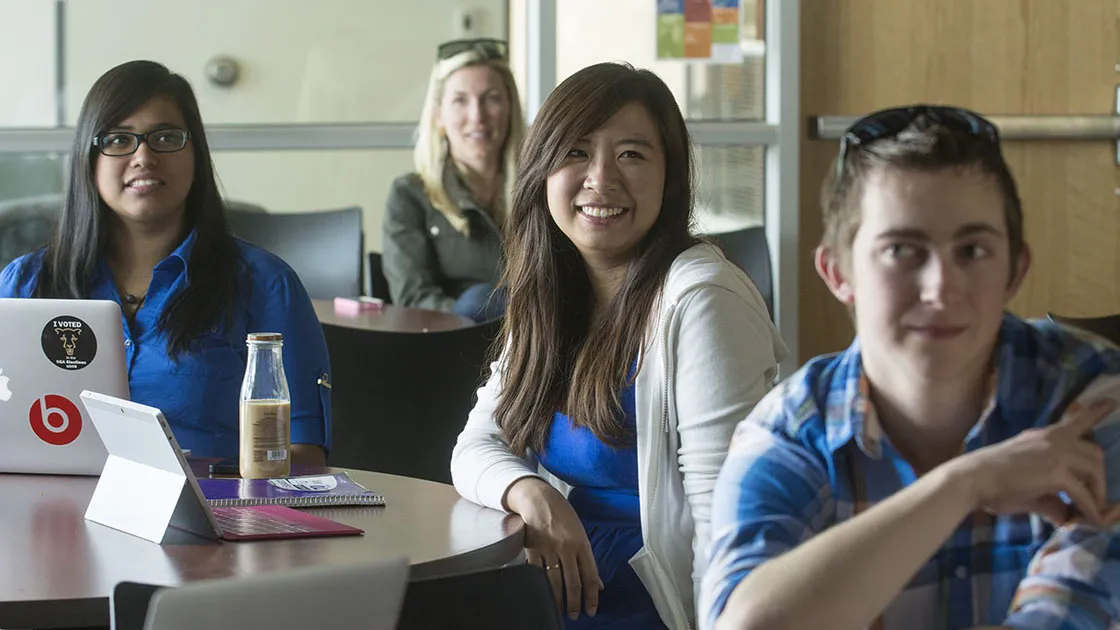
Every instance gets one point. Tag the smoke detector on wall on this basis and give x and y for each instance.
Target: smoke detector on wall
(223, 71)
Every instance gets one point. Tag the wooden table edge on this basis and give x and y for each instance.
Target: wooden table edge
(492, 556)
(94, 611)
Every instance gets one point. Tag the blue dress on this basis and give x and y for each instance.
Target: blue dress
(604, 495)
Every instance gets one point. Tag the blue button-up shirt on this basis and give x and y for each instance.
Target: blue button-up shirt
(811, 455)
(198, 393)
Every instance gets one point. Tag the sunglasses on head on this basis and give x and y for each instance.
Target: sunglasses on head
(888, 123)
(486, 47)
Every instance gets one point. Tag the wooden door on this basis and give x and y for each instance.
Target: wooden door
(1022, 57)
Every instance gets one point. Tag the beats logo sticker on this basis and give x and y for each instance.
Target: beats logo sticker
(55, 420)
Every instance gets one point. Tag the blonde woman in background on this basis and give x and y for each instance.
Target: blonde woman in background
(442, 245)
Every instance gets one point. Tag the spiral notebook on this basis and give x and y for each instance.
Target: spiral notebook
(307, 491)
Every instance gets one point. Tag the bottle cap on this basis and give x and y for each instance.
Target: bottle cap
(264, 337)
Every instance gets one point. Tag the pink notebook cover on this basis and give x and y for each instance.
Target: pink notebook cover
(265, 522)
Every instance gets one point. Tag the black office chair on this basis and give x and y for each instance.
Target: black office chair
(1107, 326)
(378, 284)
(324, 248)
(26, 224)
(399, 400)
(749, 250)
(512, 597)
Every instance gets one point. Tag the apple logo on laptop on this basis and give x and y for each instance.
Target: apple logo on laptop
(5, 393)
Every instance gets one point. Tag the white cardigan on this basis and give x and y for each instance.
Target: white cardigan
(711, 354)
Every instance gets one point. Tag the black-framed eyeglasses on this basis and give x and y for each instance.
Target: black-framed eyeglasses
(487, 48)
(888, 123)
(121, 143)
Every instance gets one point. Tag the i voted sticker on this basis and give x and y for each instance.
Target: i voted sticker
(55, 419)
(69, 343)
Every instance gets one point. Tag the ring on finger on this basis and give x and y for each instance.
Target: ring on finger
(550, 567)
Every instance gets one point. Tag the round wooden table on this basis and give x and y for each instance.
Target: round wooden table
(391, 318)
(57, 569)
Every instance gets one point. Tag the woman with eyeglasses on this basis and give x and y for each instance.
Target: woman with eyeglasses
(442, 243)
(629, 351)
(143, 225)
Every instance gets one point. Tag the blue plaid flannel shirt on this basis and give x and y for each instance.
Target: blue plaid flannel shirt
(789, 476)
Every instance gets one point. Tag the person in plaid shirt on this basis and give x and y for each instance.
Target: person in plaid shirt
(949, 469)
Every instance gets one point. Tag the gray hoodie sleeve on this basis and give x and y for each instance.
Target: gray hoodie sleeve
(407, 258)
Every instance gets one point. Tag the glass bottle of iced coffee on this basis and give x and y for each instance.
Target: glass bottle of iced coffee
(265, 412)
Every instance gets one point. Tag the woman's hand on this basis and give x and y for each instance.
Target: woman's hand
(1027, 472)
(556, 540)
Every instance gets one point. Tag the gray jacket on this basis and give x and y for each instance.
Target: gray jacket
(427, 262)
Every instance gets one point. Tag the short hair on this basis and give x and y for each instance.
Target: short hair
(924, 145)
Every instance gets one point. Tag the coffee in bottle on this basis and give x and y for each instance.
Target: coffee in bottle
(265, 410)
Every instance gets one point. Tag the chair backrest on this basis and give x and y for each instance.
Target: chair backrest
(512, 597)
(378, 284)
(748, 249)
(128, 604)
(1107, 326)
(358, 596)
(324, 248)
(26, 225)
(24, 175)
(399, 400)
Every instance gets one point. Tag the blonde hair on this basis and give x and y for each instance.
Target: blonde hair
(430, 153)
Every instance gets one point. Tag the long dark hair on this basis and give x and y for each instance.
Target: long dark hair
(81, 236)
(557, 358)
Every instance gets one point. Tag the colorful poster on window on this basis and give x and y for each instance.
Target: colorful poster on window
(700, 30)
(670, 29)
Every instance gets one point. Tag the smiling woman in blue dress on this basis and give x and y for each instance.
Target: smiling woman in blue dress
(143, 225)
(630, 351)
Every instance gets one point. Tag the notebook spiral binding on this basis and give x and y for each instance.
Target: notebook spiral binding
(296, 502)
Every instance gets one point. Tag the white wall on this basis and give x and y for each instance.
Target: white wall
(301, 61)
(27, 74)
(324, 61)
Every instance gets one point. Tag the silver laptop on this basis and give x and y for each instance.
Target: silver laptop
(51, 350)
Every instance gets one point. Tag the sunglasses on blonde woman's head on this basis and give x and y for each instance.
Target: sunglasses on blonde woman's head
(487, 48)
(888, 123)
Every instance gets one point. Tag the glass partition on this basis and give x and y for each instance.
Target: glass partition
(711, 87)
(250, 61)
(730, 190)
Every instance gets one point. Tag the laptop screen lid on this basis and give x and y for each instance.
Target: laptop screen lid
(147, 486)
(51, 350)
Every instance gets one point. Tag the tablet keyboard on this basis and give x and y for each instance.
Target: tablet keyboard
(246, 521)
